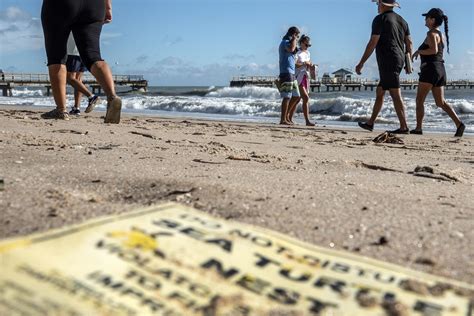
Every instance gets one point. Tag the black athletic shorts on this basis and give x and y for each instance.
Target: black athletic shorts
(83, 17)
(434, 73)
(74, 64)
(389, 79)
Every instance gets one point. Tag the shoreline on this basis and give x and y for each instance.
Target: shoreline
(380, 127)
(330, 186)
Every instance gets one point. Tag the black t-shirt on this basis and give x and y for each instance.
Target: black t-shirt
(390, 49)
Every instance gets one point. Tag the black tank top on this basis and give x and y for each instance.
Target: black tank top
(436, 57)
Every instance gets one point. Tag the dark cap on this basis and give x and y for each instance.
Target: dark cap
(434, 13)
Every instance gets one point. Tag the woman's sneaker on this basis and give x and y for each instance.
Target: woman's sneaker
(75, 111)
(92, 103)
(55, 115)
(114, 107)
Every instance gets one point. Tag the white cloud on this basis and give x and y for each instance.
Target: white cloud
(172, 41)
(19, 31)
(142, 59)
(233, 57)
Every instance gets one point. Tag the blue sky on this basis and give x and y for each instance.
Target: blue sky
(206, 42)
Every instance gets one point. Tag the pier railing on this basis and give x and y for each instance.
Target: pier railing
(337, 84)
(44, 78)
(9, 80)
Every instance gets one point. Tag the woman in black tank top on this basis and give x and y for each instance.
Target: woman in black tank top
(432, 70)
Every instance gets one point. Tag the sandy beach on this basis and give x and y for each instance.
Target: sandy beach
(325, 185)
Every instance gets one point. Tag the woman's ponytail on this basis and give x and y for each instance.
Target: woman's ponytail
(446, 29)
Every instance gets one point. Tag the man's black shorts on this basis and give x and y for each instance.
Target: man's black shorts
(389, 79)
(74, 64)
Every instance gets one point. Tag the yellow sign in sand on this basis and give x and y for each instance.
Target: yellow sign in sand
(173, 260)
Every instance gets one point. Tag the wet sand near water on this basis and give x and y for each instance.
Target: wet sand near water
(325, 185)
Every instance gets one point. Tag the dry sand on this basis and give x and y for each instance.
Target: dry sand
(327, 186)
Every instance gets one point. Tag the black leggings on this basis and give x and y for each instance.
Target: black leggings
(83, 17)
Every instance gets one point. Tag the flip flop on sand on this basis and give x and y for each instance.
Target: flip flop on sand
(366, 126)
(416, 132)
(399, 131)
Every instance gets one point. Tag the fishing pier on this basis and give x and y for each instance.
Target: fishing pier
(8, 81)
(334, 84)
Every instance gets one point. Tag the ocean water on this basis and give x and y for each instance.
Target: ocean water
(263, 105)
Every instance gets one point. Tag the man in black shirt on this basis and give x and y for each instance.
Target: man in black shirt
(391, 39)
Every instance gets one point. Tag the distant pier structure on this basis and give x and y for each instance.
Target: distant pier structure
(342, 80)
(8, 81)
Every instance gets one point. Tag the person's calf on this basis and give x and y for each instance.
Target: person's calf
(103, 74)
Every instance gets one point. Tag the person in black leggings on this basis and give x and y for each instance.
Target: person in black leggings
(84, 18)
(433, 72)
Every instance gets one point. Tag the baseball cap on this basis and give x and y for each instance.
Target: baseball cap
(434, 13)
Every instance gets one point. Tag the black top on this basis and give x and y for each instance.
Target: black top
(435, 57)
(390, 50)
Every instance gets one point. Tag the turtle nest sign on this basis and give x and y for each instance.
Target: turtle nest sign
(174, 260)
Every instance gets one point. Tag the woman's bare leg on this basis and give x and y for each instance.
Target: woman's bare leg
(423, 89)
(438, 94)
(305, 96)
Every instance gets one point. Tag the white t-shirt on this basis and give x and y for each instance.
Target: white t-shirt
(301, 58)
(71, 46)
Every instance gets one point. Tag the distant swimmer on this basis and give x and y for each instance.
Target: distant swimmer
(85, 19)
(433, 72)
(391, 39)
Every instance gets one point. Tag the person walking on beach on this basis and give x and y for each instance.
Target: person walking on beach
(433, 73)
(85, 19)
(287, 84)
(391, 39)
(303, 76)
(75, 70)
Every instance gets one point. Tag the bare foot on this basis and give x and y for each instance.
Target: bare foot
(308, 123)
(285, 123)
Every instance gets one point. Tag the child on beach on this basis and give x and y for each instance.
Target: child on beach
(287, 84)
(75, 70)
(433, 72)
(303, 76)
